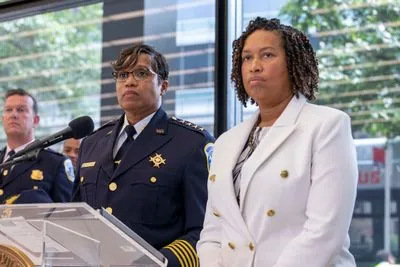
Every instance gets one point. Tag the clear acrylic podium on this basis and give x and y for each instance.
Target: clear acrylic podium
(73, 234)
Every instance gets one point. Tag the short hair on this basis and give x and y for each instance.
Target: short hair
(302, 63)
(22, 92)
(129, 56)
(382, 255)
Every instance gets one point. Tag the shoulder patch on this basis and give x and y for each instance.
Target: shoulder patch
(187, 124)
(69, 170)
(208, 150)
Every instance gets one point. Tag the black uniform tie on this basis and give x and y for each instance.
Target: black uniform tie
(10, 154)
(130, 132)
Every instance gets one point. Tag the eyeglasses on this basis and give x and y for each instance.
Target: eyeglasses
(139, 74)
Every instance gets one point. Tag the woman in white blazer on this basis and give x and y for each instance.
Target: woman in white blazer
(282, 184)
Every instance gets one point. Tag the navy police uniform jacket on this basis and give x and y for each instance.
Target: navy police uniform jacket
(158, 189)
(47, 179)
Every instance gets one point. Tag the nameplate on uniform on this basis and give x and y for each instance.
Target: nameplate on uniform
(88, 164)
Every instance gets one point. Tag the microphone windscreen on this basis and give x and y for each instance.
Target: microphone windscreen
(81, 127)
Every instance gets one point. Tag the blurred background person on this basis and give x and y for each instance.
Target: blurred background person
(385, 258)
(71, 150)
(282, 184)
(50, 177)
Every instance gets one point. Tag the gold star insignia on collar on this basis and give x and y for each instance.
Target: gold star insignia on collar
(157, 160)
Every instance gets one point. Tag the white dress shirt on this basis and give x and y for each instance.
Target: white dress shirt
(139, 127)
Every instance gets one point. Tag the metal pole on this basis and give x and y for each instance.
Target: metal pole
(220, 73)
(238, 32)
(387, 201)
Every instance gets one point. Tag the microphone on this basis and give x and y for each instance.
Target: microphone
(29, 156)
(77, 128)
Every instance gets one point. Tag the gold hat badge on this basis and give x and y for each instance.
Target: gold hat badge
(157, 160)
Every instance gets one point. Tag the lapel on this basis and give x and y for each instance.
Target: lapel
(148, 141)
(17, 170)
(226, 163)
(277, 134)
(106, 158)
(2, 154)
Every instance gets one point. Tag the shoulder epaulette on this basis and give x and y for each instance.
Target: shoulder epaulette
(187, 124)
(105, 125)
(53, 152)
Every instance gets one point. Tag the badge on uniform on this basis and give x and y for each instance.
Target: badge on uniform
(69, 170)
(37, 175)
(208, 150)
(157, 160)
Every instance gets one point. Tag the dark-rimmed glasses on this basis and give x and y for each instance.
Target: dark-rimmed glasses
(139, 74)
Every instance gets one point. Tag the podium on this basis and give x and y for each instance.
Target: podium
(70, 234)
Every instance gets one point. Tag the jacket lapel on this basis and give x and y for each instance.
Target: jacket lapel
(227, 162)
(148, 141)
(283, 127)
(107, 161)
(2, 154)
(16, 170)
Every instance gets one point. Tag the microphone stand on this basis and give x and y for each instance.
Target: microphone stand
(29, 156)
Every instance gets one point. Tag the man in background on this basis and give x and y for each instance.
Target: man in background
(71, 150)
(50, 177)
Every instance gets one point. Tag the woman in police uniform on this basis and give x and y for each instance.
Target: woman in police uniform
(147, 169)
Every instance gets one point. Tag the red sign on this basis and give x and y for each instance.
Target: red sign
(370, 177)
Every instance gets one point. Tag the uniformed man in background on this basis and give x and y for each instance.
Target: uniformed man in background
(148, 170)
(71, 149)
(50, 177)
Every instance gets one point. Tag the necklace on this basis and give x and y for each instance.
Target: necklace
(251, 141)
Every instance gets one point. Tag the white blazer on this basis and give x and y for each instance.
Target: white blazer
(297, 193)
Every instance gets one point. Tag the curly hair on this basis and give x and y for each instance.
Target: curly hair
(302, 63)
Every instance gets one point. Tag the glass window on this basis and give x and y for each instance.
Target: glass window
(363, 208)
(394, 237)
(64, 58)
(57, 57)
(362, 237)
(186, 38)
(357, 46)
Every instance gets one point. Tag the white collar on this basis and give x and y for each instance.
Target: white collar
(17, 149)
(139, 126)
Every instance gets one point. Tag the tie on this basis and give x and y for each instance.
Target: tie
(10, 154)
(130, 132)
